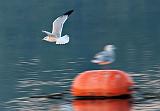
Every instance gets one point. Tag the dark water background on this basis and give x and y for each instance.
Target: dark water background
(30, 66)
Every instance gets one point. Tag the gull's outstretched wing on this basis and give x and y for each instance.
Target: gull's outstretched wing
(58, 23)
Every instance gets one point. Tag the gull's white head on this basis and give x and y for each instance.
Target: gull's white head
(109, 47)
(45, 38)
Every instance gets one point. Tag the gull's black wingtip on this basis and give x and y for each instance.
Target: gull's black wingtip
(68, 13)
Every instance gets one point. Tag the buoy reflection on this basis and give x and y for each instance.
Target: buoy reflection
(102, 105)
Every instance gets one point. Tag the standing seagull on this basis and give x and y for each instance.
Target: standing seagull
(55, 36)
(105, 57)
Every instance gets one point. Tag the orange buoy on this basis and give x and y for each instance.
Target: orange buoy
(102, 83)
(102, 105)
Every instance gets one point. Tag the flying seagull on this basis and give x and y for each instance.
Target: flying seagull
(55, 36)
(105, 57)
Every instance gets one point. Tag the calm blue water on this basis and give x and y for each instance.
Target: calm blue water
(30, 66)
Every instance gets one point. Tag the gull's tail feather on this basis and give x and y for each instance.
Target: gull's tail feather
(68, 13)
(63, 40)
